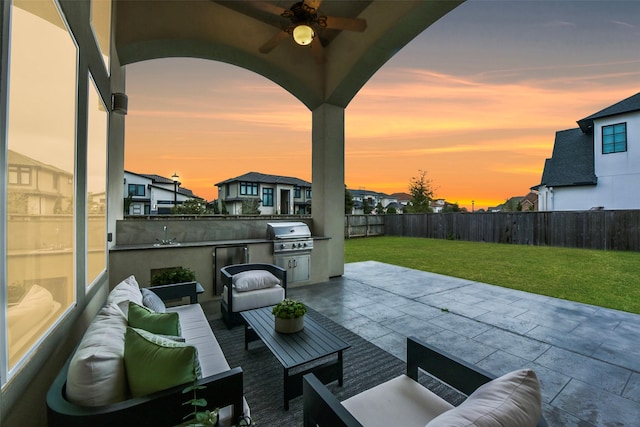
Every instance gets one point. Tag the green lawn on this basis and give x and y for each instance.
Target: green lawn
(604, 278)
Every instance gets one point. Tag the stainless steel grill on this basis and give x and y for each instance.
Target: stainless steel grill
(289, 237)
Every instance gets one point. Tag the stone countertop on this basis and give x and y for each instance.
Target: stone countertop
(216, 243)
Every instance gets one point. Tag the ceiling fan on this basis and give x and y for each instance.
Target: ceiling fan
(305, 23)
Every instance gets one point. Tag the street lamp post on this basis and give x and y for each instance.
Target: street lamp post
(175, 178)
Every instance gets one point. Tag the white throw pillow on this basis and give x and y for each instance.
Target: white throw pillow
(152, 301)
(511, 400)
(97, 374)
(125, 291)
(253, 279)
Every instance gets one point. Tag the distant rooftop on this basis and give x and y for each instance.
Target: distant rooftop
(267, 179)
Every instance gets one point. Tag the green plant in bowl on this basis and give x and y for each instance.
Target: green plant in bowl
(289, 309)
(173, 275)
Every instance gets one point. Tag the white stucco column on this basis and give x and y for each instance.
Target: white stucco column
(327, 203)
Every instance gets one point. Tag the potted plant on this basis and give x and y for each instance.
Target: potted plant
(173, 275)
(289, 316)
(198, 418)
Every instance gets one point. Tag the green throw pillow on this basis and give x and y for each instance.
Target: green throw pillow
(154, 363)
(157, 323)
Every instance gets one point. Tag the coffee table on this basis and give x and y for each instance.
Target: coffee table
(309, 345)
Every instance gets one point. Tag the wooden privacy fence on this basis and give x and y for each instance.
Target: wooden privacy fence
(607, 230)
(363, 225)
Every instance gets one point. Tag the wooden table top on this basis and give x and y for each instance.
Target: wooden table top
(311, 343)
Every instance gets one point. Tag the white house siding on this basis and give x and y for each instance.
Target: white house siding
(618, 175)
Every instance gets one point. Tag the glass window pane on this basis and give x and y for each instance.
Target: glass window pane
(96, 185)
(41, 141)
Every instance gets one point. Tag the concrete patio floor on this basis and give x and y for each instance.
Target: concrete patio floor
(587, 357)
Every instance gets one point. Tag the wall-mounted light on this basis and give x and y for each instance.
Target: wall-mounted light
(119, 103)
(303, 34)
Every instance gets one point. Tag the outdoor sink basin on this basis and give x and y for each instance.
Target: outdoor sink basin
(170, 243)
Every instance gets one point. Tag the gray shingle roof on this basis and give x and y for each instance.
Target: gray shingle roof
(158, 179)
(572, 160)
(625, 106)
(367, 193)
(266, 179)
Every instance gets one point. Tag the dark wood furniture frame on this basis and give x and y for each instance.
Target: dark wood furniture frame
(314, 342)
(161, 408)
(230, 317)
(321, 408)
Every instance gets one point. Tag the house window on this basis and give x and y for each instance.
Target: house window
(297, 192)
(136, 189)
(308, 193)
(614, 138)
(267, 197)
(19, 175)
(249, 188)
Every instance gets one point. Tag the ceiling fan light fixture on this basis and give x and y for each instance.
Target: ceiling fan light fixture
(303, 34)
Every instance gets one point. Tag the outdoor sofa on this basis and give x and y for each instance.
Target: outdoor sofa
(95, 385)
(511, 400)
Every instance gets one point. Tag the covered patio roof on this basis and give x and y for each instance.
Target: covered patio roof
(234, 31)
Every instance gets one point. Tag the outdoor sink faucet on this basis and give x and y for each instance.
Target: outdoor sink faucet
(166, 240)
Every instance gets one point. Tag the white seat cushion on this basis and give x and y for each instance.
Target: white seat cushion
(398, 402)
(197, 332)
(255, 299)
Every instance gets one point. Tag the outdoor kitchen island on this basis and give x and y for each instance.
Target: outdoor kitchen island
(144, 246)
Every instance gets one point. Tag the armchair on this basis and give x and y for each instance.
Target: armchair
(257, 294)
(513, 399)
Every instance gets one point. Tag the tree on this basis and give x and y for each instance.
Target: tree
(366, 207)
(190, 206)
(127, 203)
(215, 206)
(421, 190)
(251, 207)
(512, 205)
(224, 210)
(379, 209)
(348, 201)
(451, 207)
(391, 210)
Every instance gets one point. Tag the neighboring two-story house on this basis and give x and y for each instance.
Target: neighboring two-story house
(37, 188)
(595, 166)
(277, 195)
(152, 194)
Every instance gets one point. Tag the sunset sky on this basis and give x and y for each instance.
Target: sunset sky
(474, 101)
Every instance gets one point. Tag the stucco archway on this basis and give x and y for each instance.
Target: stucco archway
(233, 31)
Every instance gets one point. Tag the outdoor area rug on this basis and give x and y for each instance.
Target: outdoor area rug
(365, 366)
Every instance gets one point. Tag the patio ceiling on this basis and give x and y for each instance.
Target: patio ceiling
(234, 31)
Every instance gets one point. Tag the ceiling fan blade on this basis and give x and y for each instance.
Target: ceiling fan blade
(274, 41)
(351, 24)
(267, 7)
(317, 51)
